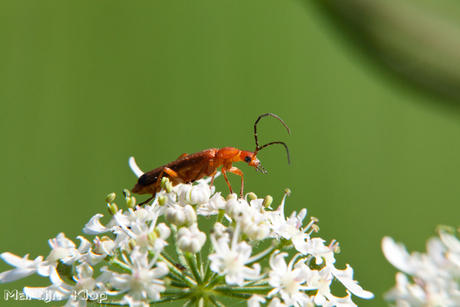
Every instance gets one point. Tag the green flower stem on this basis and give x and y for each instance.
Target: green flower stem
(214, 281)
(209, 274)
(249, 290)
(258, 282)
(119, 264)
(238, 295)
(199, 262)
(178, 276)
(191, 260)
(220, 216)
(180, 254)
(262, 255)
(179, 284)
(215, 302)
(172, 268)
(191, 302)
(169, 298)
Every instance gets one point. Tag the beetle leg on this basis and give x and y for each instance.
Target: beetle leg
(212, 180)
(197, 177)
(146, 201)
(238, 172)
(182, 155)
(224, 172)
(166, 170)
(170, 172)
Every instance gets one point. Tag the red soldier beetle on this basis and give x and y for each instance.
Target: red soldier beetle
(189, 168)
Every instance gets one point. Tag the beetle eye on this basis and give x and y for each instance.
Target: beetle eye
(247, 159)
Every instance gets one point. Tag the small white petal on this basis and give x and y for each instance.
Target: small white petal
(397, 255)
(136, 170)
(94, 227)
(255, 300)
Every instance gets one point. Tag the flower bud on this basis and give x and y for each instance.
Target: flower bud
(130, 202)
(252, 196)
(287, 192)
(168, 186)
(162, 231)
(163, 182)
(110, 198)
(112, 207)
(161, 200)
(190, 239)
(232, 196)
(193, 195)
(267, 201)
(233, 208)
(175, 216)
(190, 215)
(180, 216)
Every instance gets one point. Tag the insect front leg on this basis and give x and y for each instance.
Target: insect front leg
(238, 172)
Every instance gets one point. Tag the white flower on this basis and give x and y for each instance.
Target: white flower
(24, 267)
(212, 207)
(435, 274)
(144, 283)
(250, 216)
(137, 225)
(62, 249)
(85, 287)
(180, 215)
(190, 239)
(194, 195)
(346, 278)
(405, 293)
(94, 226)
(286, 228)
(287, 281)
(290, 281)
(231, 260)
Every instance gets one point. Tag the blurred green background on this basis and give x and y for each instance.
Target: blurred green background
(85, 85)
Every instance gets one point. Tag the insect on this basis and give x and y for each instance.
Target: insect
(189, 168)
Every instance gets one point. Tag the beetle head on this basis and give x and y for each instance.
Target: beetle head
(250, 158)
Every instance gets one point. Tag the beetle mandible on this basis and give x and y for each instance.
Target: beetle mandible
(189, 168)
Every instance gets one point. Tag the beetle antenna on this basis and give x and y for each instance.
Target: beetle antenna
(271, 143)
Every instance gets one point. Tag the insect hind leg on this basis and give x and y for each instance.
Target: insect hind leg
(146, 201)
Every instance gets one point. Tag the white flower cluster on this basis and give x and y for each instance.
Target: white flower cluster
(142, 261)
(435, 275)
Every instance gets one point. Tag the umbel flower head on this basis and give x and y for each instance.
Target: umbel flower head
(158, 253)
(426, 279)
